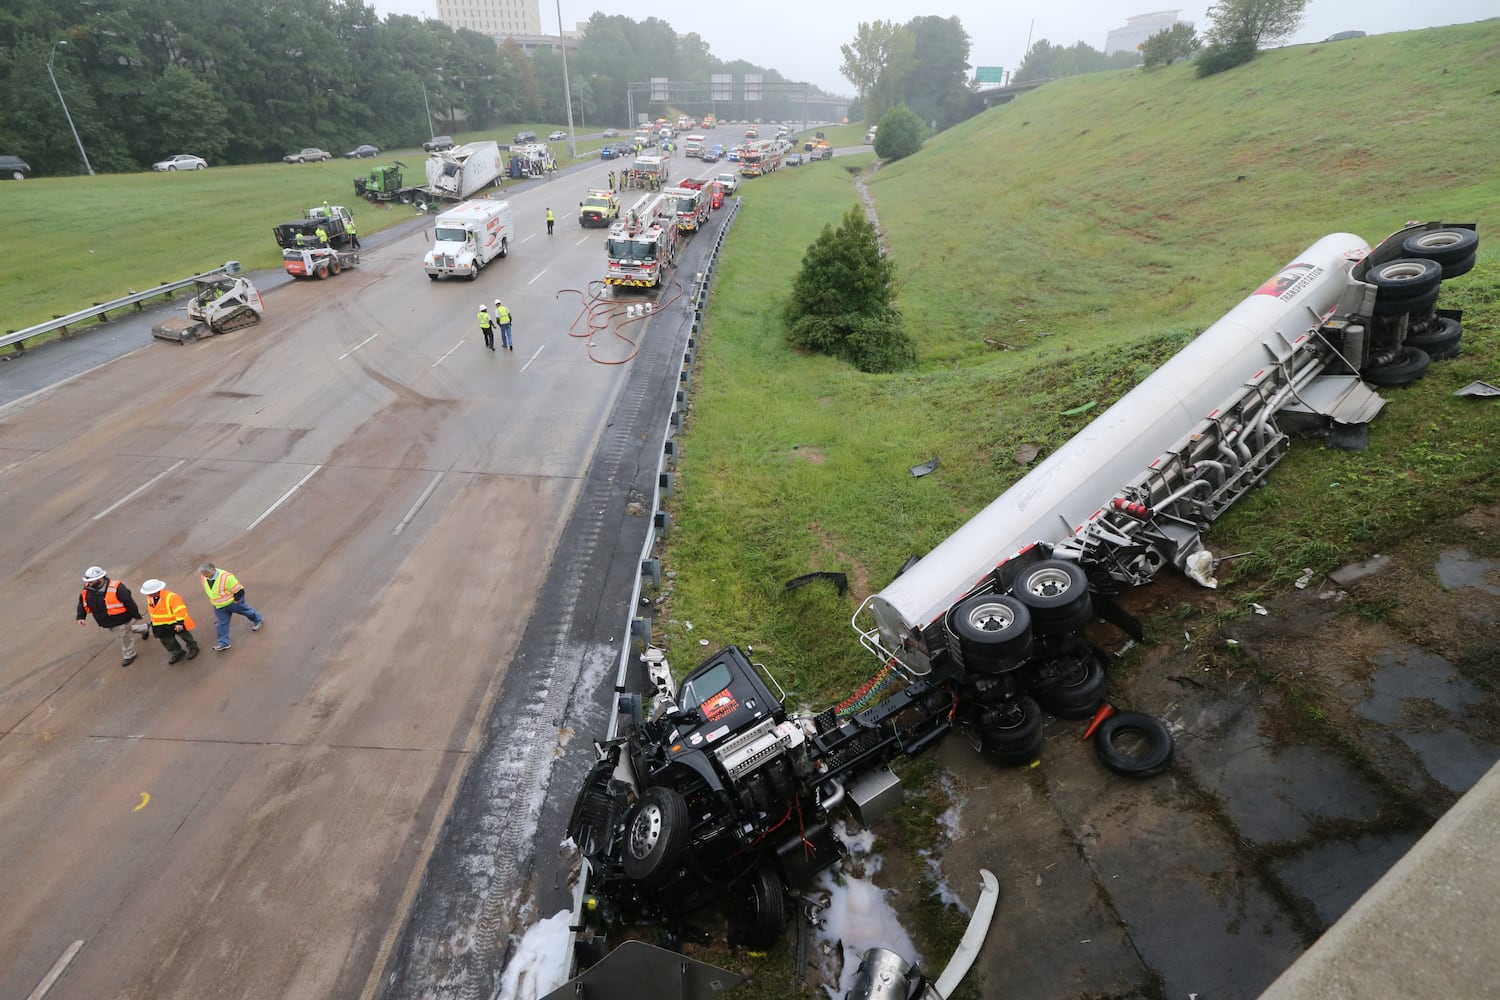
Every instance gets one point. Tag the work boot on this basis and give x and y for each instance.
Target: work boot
(175, 657)
(128, 660)
(193, 652)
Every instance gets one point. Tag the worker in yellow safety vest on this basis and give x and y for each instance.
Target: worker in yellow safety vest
(228, 598)
(170, 620)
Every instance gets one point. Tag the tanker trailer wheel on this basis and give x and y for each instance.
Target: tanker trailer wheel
(1454, 249)
(1441, 342)
(1406, 278)
(759, 907)
(655, 834)
(1418, 306)
(1056, 592)
(1133, 744)
(1409, 365)
(992, 631)
(1072, 687)
(1011, 733)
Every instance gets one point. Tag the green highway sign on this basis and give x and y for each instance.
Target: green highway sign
(989, 74)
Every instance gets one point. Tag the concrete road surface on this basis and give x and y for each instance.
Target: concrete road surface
(396, 499)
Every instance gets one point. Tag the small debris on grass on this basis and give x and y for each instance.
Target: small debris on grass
(918, 471)
(1304, 579)
(1259, 609)
(1086, 407)
(1027, 453)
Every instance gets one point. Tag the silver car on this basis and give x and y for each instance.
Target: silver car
(182, 161)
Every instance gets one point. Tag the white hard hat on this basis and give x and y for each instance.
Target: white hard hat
(153, 587)
(483, 305)
(94, 573)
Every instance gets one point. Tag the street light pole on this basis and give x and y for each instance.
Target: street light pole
(430, 133)
(567, 91)
(53, 55)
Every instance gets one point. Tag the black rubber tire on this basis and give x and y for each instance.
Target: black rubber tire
(656, 831)
(504, 247)
(761, 915)
(198, 167)
(1076, 690)
(1459, 267)
(334, 267)
(992, 631)
(1052, 590)
(1013, 737)
(1405, 277)
(1410, 365)
(1146, 762)
(1080, 616)
(992, 690)
(1445, 246)
(1418, 306)
(1441, 341)
(321, 273)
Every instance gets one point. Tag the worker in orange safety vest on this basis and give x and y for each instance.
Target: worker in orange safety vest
(110, 604)
(170, 620)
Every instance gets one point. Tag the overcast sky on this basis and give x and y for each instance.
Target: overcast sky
(801, 38)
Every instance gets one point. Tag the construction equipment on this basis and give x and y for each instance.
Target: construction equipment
(221, 302)
(305, 254)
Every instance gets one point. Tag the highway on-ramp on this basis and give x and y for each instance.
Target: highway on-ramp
(431, 530)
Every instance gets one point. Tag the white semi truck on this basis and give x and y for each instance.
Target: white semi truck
(467, 237)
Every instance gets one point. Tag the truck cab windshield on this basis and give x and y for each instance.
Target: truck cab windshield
(451, 234)
(632, 250)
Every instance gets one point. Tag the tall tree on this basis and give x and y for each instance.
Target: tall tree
(936, 88)
(1257, 22)
(1164, 48)
(865, 58)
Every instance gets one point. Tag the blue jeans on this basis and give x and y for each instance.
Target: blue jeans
(504, 334)
(221, 619)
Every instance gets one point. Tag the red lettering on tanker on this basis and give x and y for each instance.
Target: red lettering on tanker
(719, 705)
(1292, 279)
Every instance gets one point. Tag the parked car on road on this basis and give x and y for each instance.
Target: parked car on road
(557, 135)
(730, 182)
(438, 143)
(14, 168)
(182, 161)
(794, 160)
(361, 151)
(522, 138)
(309, 155)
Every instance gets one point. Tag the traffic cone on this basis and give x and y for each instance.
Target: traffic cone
(1105, 711)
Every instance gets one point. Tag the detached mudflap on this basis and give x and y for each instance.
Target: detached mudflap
(179, 330)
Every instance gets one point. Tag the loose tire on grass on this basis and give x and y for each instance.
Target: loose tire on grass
(1410, 364)
(1012, 734)
(655, 834)
(992, 632)
(760, 910)
(1133, 744)
(1405, 278)
(1445, 246)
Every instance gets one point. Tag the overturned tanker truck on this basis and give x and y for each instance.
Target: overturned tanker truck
(710, 798)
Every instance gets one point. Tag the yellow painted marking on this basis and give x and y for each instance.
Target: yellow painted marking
(145, 797)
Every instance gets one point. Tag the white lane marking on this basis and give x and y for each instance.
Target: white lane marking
(450, 351)
(139, 490)
(21, 461)
(538, 277)
(357, 346)
(271, 509)
(529, 360)
(58, 967)
(581, 241)
(420, 501)
(529, 238)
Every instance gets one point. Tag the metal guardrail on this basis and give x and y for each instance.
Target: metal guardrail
(103, 309)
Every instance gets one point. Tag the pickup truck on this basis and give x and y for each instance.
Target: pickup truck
(309, 155)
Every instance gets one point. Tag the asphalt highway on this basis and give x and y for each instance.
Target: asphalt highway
(442, 540)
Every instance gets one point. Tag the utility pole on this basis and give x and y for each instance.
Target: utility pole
(567, 91)
(86, 165)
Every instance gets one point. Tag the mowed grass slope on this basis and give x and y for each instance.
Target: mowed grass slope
(1094, 226)
(74, 241)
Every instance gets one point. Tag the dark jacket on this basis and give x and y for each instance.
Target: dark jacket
(96, 606)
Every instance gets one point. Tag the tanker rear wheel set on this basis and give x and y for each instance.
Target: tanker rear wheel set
(1407, 291)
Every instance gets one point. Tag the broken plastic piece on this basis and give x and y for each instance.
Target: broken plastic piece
(1303, 580)
(1199, 568)
(973, 939)
(918, 471)
(1259, 609)
(1086, 407)
(1479, 389)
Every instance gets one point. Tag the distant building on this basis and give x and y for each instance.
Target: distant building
(497, 18)
(1137, 29)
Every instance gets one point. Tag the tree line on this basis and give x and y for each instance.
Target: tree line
(246, 81)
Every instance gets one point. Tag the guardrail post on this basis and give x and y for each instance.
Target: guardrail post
(664, 483)
(663, 522)
(651, 570)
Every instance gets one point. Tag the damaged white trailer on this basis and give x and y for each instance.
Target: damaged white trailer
(1136, 488)
(721, 798)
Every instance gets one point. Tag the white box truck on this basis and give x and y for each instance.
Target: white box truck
(464, 171)
(467, 237)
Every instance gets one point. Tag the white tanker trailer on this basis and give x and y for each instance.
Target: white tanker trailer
(1136, 488)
